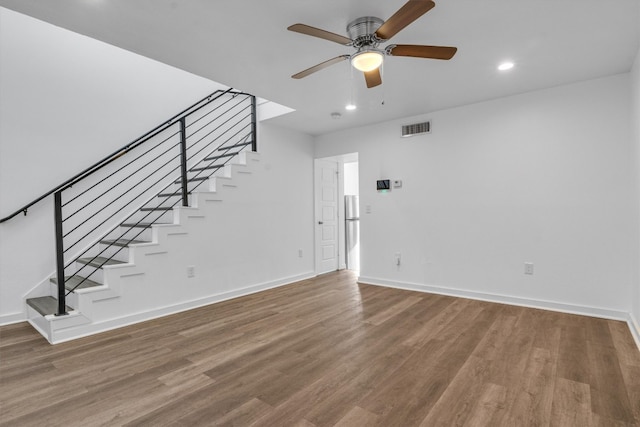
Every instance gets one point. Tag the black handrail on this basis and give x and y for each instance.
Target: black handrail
(122, 151)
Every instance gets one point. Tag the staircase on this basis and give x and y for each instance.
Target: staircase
(128, 215)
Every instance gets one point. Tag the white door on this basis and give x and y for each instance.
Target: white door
(326, 201)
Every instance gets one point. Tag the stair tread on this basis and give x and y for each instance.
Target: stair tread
(157, 209)
(200, 178)
(240, 144)
(71, 282)
(206, 168)
(122, 242)
(45, 305)
(142, 224)
(100, 261)
(222, 155)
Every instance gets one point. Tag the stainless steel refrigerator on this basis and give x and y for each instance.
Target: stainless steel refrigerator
(352, 232)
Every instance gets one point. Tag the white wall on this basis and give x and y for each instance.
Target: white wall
(635, 124)
(543, 177)
(288, 216)
(68, 97)
(67, 101)
(351, 183)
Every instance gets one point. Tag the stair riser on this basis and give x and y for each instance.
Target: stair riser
(71, 300)
(131, 233)
(165, 217)
(202, 186)
(169, 202)
(106, 251)
(98, 276)
(116, 252)
(192, 175)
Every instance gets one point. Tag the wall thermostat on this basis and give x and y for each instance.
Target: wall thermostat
(384, 185)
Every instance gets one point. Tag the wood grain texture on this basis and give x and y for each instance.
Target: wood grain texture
(330, 352)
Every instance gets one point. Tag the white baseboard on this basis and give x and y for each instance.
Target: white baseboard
(9, 319)
(634, 327)
(91, 329)
(504, 299)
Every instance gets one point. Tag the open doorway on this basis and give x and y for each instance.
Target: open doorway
(351, 216)
(337, 230)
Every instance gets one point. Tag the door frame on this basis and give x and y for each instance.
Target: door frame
(341, 159)
(317, 209)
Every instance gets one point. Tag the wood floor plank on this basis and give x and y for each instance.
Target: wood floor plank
(330, 351)
(470, 382)
(489, 408)
(534, 396)
(631, 376)
(571, 404)
(243, 415)
(427, 373)
(306, 398)
(301, 423)
(431, 328)
(609, 397)
(496, 338)
(573, 360)
(394, 310)
(358, 417)
(627, 350)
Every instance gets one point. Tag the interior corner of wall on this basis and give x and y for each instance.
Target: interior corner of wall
(634, 327)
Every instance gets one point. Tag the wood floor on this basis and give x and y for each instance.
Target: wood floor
(327, 352)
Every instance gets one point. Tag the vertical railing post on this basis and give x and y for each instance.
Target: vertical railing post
(254, 125)
(183, 161)
(57, 213)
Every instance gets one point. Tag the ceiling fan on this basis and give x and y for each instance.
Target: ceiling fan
(367, 33)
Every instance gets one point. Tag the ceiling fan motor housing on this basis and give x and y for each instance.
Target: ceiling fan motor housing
(362, 32)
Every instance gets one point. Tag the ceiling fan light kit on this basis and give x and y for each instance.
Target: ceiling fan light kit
(367, 60)
(367, 33)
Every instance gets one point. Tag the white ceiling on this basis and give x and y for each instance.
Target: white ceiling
(244, 44)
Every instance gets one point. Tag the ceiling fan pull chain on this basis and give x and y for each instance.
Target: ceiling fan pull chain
(383, 87)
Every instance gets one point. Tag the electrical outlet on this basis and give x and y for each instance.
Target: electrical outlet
(528, 268)
(191, 271)
(299, 253)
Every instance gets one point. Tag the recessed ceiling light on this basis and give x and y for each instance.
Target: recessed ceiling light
(350, 107)
(505, 66)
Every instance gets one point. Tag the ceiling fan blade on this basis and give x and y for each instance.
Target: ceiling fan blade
(408, 13)
(320, 66)
(373, 78)
(317, 32)
(420, 51)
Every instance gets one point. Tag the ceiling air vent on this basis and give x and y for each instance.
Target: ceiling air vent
(416, 129)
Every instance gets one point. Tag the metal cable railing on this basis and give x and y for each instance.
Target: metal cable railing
(158, 207)
(111, 204)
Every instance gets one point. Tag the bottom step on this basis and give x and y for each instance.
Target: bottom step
(45, 305)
